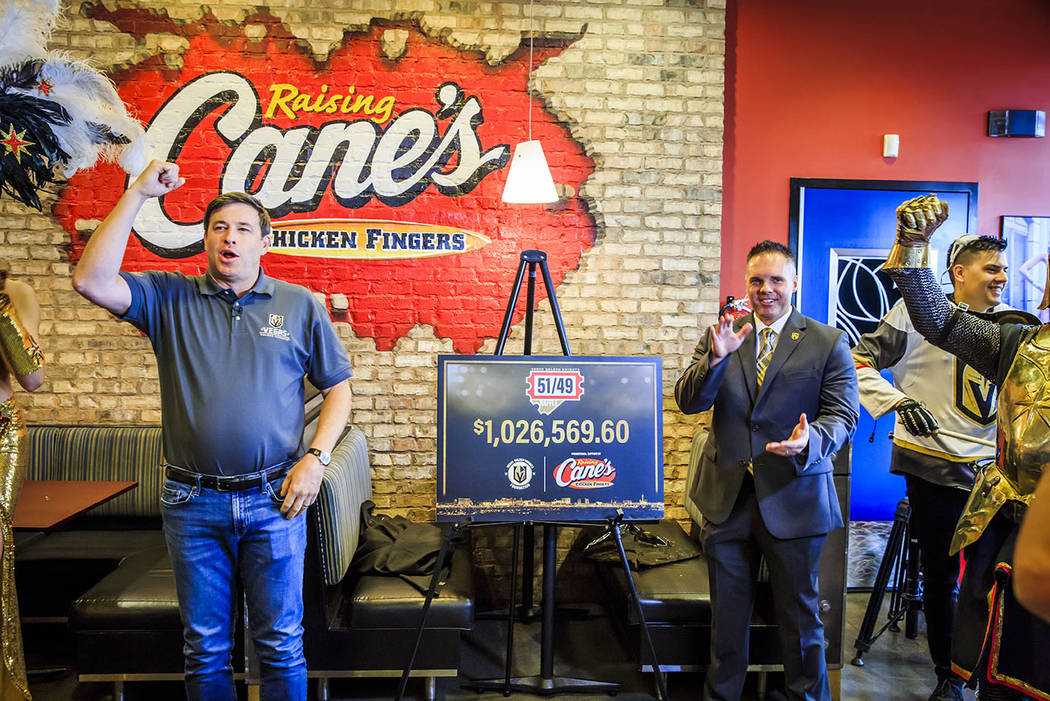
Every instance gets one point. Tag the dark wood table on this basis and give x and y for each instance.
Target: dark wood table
(48, 504)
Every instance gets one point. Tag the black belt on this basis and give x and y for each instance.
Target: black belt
(233, 483)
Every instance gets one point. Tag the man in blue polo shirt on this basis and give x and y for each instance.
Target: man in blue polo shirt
(232, 349)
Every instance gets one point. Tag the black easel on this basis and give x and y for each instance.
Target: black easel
(900, 562)
(532, 258)
(546, 683)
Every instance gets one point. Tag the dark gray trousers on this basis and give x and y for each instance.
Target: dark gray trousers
(733, 550)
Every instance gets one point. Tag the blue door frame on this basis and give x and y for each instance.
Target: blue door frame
(835, 227)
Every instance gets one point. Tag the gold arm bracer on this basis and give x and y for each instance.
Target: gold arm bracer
(21, 351)
(902, 256)
(917, 219)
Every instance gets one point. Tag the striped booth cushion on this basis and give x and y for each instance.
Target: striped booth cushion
(347, 482)
(121, 453)
(699, 439)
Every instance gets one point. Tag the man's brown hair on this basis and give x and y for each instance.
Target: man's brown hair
(239, 198)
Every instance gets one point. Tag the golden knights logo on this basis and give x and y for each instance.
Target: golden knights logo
(275, 330)
(975, 395)
(519, 473)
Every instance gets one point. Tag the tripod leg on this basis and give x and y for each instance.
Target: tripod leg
(555, 311)
(661, 680)
(550, 544)
(530, 301)
(528, 571)
(446, 544)
(912, 595)
(898, 603)
(505, 328)
(518, 534)
(878, 591)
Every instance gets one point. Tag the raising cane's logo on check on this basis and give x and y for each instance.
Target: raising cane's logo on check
(584, 473)
(549, 389)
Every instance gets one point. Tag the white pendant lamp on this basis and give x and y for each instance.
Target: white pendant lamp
(529, 180)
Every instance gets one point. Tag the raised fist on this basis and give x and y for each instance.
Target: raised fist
(918, 218)
(158, 179)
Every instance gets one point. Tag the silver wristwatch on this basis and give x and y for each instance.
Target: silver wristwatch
(324, 456)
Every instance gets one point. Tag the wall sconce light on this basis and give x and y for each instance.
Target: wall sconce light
(529, 180)
(891, 145)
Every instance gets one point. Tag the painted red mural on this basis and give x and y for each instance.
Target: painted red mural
(383, 176)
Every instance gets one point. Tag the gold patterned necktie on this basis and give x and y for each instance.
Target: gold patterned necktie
(768, 336)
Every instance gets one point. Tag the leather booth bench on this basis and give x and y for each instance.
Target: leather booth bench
(676, 602)
(676, 598)
(53, 569)
(105, 575)
(364, 625)
(126, 625)
(118, 590)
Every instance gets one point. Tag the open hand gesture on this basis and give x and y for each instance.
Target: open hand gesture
(158, 179)
(796, 443)
(724, 340)
(918, 218)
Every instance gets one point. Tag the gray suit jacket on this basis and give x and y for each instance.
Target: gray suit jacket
(811, 371)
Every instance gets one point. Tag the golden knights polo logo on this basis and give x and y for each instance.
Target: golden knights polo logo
(276, 328)
(975, 396)
(549, 389)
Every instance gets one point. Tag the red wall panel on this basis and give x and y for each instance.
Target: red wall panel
(811, 87)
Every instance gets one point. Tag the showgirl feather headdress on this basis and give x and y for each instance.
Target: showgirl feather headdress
(56, 113)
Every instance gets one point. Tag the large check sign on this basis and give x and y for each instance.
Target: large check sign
(545, 438)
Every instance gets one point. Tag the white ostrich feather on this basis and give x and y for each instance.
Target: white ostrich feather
(98, 124)
(91, 101)
(25, 26)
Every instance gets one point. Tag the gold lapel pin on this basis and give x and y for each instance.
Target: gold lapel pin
(794, 336)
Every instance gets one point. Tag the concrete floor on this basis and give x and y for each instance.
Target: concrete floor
(896, 668)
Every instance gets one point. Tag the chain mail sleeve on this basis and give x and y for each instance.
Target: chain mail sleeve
(976, 341)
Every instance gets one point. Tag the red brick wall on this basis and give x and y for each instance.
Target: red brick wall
(627, 96)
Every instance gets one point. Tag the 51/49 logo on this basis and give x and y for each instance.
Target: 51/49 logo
(535, 432)
(549, 389)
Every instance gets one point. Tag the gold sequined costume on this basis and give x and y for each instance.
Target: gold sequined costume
(21, 356)
(996, 643)
(12, 473)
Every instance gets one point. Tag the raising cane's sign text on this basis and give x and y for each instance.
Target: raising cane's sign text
(382, 174)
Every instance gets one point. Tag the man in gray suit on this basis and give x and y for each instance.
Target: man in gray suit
(770, 375)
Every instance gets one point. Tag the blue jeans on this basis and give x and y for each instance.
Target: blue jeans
(217, 539)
